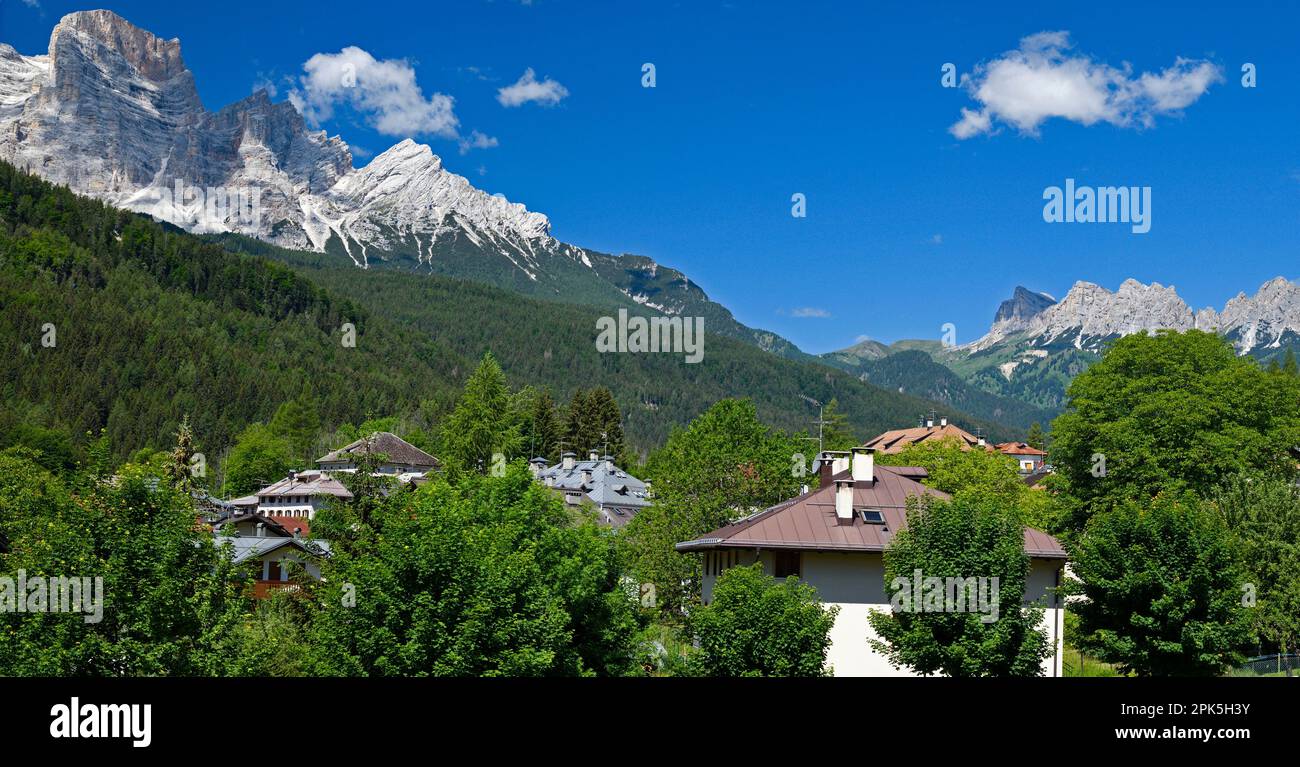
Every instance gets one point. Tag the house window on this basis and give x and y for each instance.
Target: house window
(787, 564)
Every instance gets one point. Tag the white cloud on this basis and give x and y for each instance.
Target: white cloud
(263, 83)
(385, 92)
(32, 3)
(477, 140)
(810, 311)
(1040, 80)
(936, 239)
(528, 88)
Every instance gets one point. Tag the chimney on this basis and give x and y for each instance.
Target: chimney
(609, 464)
(840, 461)
(261, 529)
(864, 465)
(593, 456)
(943, 421)
(586, 476)
(550, 481)
(929, 423)
(569, 459)
(830, 463)
(981, 442)
(844, 501)
(297, 532)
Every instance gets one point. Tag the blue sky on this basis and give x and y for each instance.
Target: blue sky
(908, 226)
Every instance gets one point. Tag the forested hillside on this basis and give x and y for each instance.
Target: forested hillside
(551, 344)
(109, 320)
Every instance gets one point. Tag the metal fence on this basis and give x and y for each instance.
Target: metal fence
(1270, 665)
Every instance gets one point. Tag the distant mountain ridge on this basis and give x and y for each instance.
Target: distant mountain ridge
(1020, 369)
(1089, 314)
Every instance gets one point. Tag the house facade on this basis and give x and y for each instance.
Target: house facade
(300, 495)
(834, 538)
(1028, 459)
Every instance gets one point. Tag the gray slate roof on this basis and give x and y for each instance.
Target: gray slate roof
(612, 491)
(246, 548)
(397, 449)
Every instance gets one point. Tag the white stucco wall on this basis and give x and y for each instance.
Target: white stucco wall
(855, 582)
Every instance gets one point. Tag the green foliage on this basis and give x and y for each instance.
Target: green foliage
(759, 626)
(485, 577)
(258, 458)
(547, 343)
(152, 322)
(969, 537)
(169, 599)
(480, 426)
(954, 469)
(1172, 412)
(1163, 589)
(297, 422)
(594, 422)
(836, 433)
(725, 465)
(1035, 438)
(270, 641)
(1264, 515)
(542, 428)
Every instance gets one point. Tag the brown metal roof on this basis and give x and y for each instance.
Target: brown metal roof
(895, 441)
(809, 521)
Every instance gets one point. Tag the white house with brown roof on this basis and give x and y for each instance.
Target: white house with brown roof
(300, 495)
(1029, 459)
(833, 538)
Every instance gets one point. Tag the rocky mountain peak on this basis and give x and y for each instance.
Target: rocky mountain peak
(104, 34)
(1023, 304)
(1090, 313)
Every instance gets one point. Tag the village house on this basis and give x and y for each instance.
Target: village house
(929, 431)
(616, 495)
(833, 538)
(400, 456)
(1028, 459)
(300, 495)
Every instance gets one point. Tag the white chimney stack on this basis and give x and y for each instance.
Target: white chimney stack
(929, 423)
(569, 459)
(839, 461)
(864, 465)
(943, 421)
(844, 501)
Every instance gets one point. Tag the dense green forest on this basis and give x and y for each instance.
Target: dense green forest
(551, 344)
(113, 321)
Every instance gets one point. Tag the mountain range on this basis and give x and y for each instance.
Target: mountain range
(1036, 345)
(112, 112)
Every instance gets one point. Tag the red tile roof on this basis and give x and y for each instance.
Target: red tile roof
(1018, 448)
(289, 523)
(809, 521)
